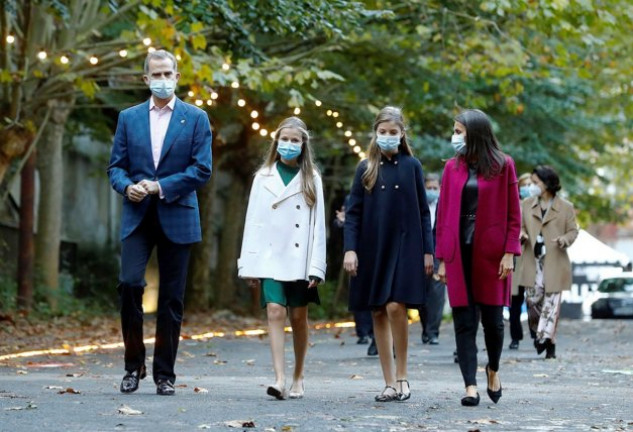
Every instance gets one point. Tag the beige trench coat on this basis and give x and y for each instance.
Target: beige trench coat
(560, 221)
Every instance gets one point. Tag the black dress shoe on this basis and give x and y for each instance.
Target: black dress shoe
(130, 381)
(363, 340)
(494, 395)
(425, 339)
(165, 388)
(514, 345)
(470, 400)
(550, 350)
(540, 347)
(372, 350)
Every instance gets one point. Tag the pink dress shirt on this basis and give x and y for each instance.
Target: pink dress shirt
(158, 123)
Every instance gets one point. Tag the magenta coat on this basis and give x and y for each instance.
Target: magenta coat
(497, 228)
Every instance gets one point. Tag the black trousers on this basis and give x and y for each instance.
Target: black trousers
(466, 322)
(431, 313)
(173, 260)
(516, 329)
(364, 324)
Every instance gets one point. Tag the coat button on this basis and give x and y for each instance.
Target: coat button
(298, 207)
(296, 244)
(395, 163)
(397, 187)
(382, 163)
(274, 206)
(297, 225)
(382, 187)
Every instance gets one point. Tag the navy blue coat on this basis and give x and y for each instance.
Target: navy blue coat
(389, 228)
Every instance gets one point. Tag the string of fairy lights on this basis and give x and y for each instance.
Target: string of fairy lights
(256, 118)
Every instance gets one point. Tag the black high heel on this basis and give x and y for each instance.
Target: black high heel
(493, 395)
(470, 400)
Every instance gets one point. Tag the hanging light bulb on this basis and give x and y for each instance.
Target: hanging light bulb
(339, 124)
(199, 102)
(151, 49)
(361, 155)
(352, 142)
(356, 149)
(178, 57)
(225, 67)
(123, 53)
(209, 102)
(42, 55)
(10, 39)
(255, 125)
(147, 41)
(241, 102)
(254, 114)
(317, 103)
(190, 93)
(214, 95)
(297, 111)
(329, 112)
(335, 114)
(263, 132)
(64, 60)
(348, 133)
(94, 60)
(235, 84)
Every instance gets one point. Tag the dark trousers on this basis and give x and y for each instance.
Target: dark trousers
(431, 313)
(466, 322)
(364, 324)
(172, 267)
(516, 329)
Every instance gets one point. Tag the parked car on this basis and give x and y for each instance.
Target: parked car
(614, 297)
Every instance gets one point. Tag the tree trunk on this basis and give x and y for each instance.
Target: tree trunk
(49, 225)
(27, 216)
(199, 289)
(225, 287)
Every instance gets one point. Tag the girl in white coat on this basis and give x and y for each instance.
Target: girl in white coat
(283, 249)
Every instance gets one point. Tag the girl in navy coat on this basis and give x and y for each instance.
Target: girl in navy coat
(389, 244)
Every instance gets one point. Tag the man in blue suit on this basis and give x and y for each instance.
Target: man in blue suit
(161, 155)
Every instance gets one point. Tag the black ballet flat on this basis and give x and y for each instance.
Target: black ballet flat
(470, 400)
(493, 395)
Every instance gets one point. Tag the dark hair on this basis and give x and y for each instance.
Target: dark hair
(482, 148)
(549, 178)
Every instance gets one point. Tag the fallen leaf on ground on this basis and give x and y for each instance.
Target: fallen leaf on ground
(240, 423)
(204, 426)
(181, 386)
(28, 406)
(200, 390)
(21, 372)
(69, 390)
(541, 376)
(126, 410)
(287, 428)
(74, 375)
(250, 362)
(483, 421)
(356, 377)
(211, 354)
(53, 388)
(219, 362)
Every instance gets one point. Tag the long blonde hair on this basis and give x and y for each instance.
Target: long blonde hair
(386, 114)
(307, 167)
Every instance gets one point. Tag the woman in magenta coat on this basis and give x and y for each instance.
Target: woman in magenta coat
(478, 227)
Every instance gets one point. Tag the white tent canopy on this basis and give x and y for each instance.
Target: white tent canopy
(589, 250)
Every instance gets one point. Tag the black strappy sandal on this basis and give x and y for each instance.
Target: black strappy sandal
(384, 397)
(401, 395)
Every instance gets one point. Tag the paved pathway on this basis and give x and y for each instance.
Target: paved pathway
(589, 387)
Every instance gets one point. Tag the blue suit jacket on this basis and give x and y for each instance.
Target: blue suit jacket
(184, 166)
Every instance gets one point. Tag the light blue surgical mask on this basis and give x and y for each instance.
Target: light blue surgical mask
(432, 195)
(388, 143)
(288, 150)
(162, 89)
(459, 144)
(535, 190)
(524, 192)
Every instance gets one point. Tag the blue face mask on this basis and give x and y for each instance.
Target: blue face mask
(288, 150)
(162, 89)
(459, 144)
(534, 190)
(388, 143)
(432, 195)
(524, 192)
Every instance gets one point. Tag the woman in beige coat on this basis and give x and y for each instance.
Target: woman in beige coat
(549, 227)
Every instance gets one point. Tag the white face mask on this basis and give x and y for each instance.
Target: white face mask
(534, 190)
(459, 144)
